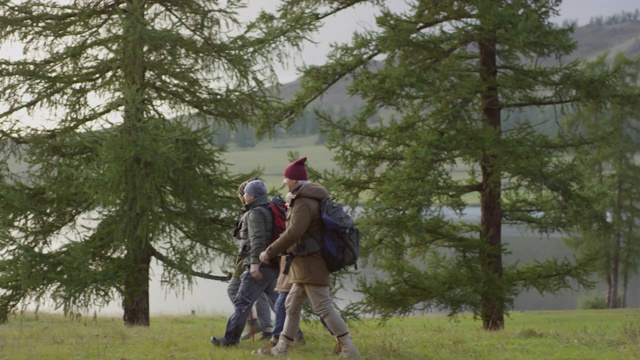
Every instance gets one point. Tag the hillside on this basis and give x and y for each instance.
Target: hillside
(592, 40)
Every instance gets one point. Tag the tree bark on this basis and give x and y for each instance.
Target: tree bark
(626, 261)
(135, 301)
(492, 312)
(612, 296)
(135, 198)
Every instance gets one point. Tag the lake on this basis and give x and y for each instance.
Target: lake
(209, 297)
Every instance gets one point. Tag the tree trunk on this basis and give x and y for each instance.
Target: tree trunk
(492, 296)
(625, 284)
(135, 301)
(136, 200)
(626, 261)
(612, 296)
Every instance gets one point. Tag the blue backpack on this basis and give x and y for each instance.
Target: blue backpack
(340, 245)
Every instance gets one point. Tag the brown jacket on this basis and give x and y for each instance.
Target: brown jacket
(284, 284)
(303, 220)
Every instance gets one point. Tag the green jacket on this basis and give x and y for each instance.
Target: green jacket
(256, 228)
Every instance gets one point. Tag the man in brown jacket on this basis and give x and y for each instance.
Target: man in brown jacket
(308, 271)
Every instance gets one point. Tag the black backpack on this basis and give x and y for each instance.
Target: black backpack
(340, 244)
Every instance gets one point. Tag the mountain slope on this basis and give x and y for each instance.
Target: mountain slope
(592, 40)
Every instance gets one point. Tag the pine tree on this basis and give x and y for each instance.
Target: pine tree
(123, 172)
(612, 175)
(453, 75)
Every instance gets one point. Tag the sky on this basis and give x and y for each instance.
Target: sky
(340, 28)
(210, 296)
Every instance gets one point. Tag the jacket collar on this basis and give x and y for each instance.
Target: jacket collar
(256, 202)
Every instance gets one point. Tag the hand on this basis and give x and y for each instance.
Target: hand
(264, 257)
(254, 270)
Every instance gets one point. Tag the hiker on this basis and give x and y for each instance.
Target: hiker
(282, 288)
(258, 278)
(262, 308)
(308, 271)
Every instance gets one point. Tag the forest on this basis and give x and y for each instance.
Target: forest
(440, 103)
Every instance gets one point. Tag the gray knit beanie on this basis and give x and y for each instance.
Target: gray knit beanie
(256, 188)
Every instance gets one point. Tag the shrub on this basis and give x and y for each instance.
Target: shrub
(594, 301)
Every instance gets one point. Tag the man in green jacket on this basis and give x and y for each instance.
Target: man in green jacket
(258, 278)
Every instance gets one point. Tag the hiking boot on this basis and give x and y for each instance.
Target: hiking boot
(266, 350)
(246, 334)
(300, 339)
(348, 348)
(337, 349)
(280, 349)
(220, 342)
(267, 332)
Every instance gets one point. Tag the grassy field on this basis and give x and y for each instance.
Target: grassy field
(595, 334)
(271, 157)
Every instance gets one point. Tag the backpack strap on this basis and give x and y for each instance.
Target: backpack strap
(266, 212)
(294, 194)
(287, 265)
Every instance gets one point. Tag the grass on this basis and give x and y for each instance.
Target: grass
(271, 157)
(576, 334)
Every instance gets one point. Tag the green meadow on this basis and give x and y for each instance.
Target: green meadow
(559, 334)
(575, 334)
(270, 156)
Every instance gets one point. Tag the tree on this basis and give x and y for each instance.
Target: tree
(453, 75)
(117, 177)
(612, 175)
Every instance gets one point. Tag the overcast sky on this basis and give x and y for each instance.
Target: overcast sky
(340, 28)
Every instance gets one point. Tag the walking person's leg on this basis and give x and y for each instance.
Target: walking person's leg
(293, 305)
(280, 315)
(232, 288)
(269, 298)
(320, 297)
(250, 290)
(263, 311)
(232, 291)
(278, 325)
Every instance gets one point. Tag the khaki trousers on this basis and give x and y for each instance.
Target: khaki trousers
(320, 298)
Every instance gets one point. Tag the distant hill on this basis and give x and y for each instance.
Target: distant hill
(619, 33)
(336, 97)
(593, 40)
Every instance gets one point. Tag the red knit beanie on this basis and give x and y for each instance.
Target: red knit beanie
(296, 170)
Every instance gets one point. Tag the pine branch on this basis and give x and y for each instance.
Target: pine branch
(186, 269)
